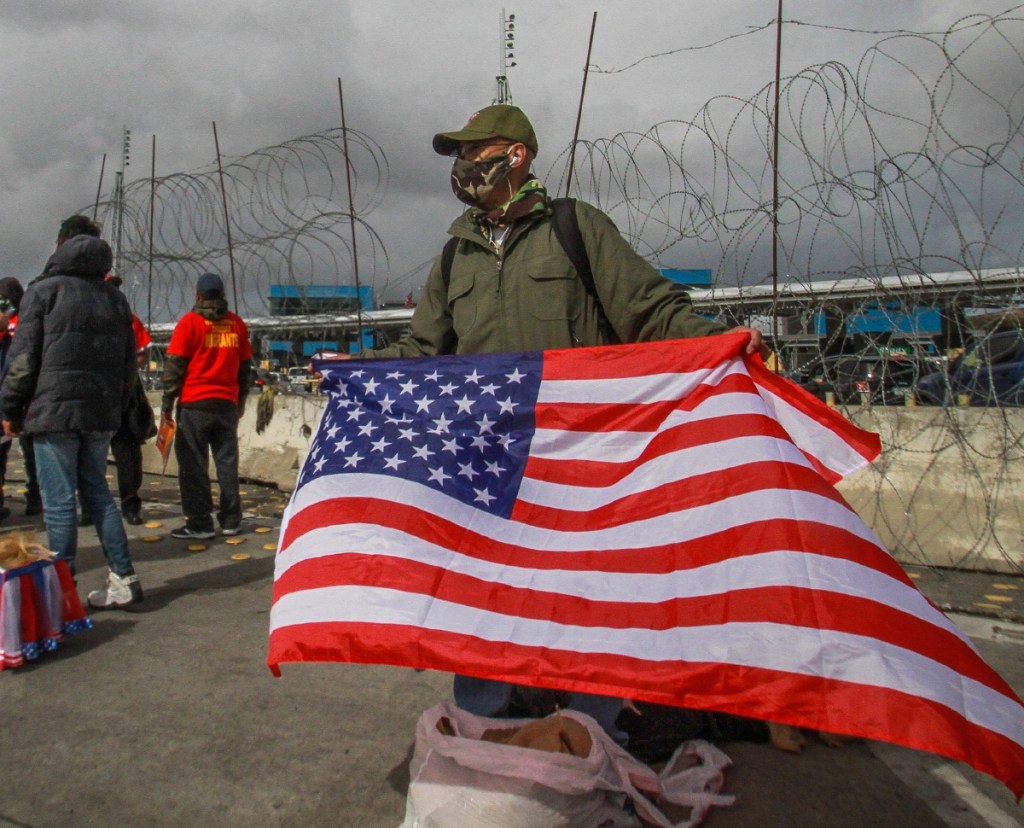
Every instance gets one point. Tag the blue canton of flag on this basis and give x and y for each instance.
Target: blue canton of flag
(464, 428)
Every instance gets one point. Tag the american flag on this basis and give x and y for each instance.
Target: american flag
(653, 521)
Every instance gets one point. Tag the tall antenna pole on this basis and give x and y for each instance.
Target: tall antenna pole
(352, 218)
(115, 231)
(118, 230)
(775, 188)
(506, 43)
(152, 211)
(99, 188)
(579, 110)
(227, 221)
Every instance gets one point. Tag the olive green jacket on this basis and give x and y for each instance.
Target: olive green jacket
(530, 298)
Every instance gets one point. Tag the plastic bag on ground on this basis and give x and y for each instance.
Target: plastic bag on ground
(458, 780)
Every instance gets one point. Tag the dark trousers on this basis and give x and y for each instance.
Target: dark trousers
(31, 480)
(28, 455)
(5, 449)
(200, 432)
(128, 460)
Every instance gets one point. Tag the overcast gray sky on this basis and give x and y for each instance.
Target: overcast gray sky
(76, 71)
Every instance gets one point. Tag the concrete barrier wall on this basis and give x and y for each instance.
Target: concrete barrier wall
(947, 490)
(272, 457)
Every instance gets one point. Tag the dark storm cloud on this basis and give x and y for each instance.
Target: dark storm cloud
(76, 72)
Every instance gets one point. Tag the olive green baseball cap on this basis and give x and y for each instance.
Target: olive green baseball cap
(498, 121)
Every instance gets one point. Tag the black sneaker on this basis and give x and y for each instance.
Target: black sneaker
(231, 528)
(133, 518)
(188, 533)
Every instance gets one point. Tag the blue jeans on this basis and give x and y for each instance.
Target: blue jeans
(70, 460)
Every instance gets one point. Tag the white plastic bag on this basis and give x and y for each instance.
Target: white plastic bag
(462, 782)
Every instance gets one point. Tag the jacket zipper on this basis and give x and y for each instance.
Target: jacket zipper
(499, 268)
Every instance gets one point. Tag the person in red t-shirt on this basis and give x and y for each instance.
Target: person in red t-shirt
(208, 371)
(142, 340)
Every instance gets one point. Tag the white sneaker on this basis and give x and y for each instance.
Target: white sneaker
(121, 591)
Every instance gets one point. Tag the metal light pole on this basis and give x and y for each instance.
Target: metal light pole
(775, 188)
(118, 229)
(152, 214)
(351, 219)
(99, 188)
(227, 220)
(579, 110)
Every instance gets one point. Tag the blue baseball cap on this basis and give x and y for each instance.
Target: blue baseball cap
(210, 286)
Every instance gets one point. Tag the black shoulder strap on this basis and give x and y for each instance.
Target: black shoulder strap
(567, 231)
(447, 257)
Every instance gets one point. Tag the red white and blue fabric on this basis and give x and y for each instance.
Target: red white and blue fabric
(653, 521)
(38, 607)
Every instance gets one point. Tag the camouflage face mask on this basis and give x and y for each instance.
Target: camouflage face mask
(474, 181)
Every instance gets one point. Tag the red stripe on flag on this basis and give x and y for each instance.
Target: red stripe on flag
(802, 701)
(735, 542)
(677, 496)
(622, 361)
(577, 416)
(785, 605)
(677, 438)
(598, 417)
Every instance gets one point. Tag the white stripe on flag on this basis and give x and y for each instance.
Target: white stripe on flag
(645, 389)
(684, 525)
(623, 446)
(781, 568)
(827, 447)
(672, 467)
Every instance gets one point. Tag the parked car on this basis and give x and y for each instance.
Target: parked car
(827, 376)
(269, 379)
(300, 380)
(863, 378)
(989, 372)
(891, 379)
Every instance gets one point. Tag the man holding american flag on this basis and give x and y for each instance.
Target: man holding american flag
(502, 496)
(511, 287)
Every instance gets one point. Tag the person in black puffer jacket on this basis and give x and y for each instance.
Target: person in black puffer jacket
(11, 293)
(71, 369)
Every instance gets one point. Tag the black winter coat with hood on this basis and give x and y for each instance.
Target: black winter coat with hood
(72, 361)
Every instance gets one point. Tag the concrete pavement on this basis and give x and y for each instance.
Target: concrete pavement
(168, 716)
